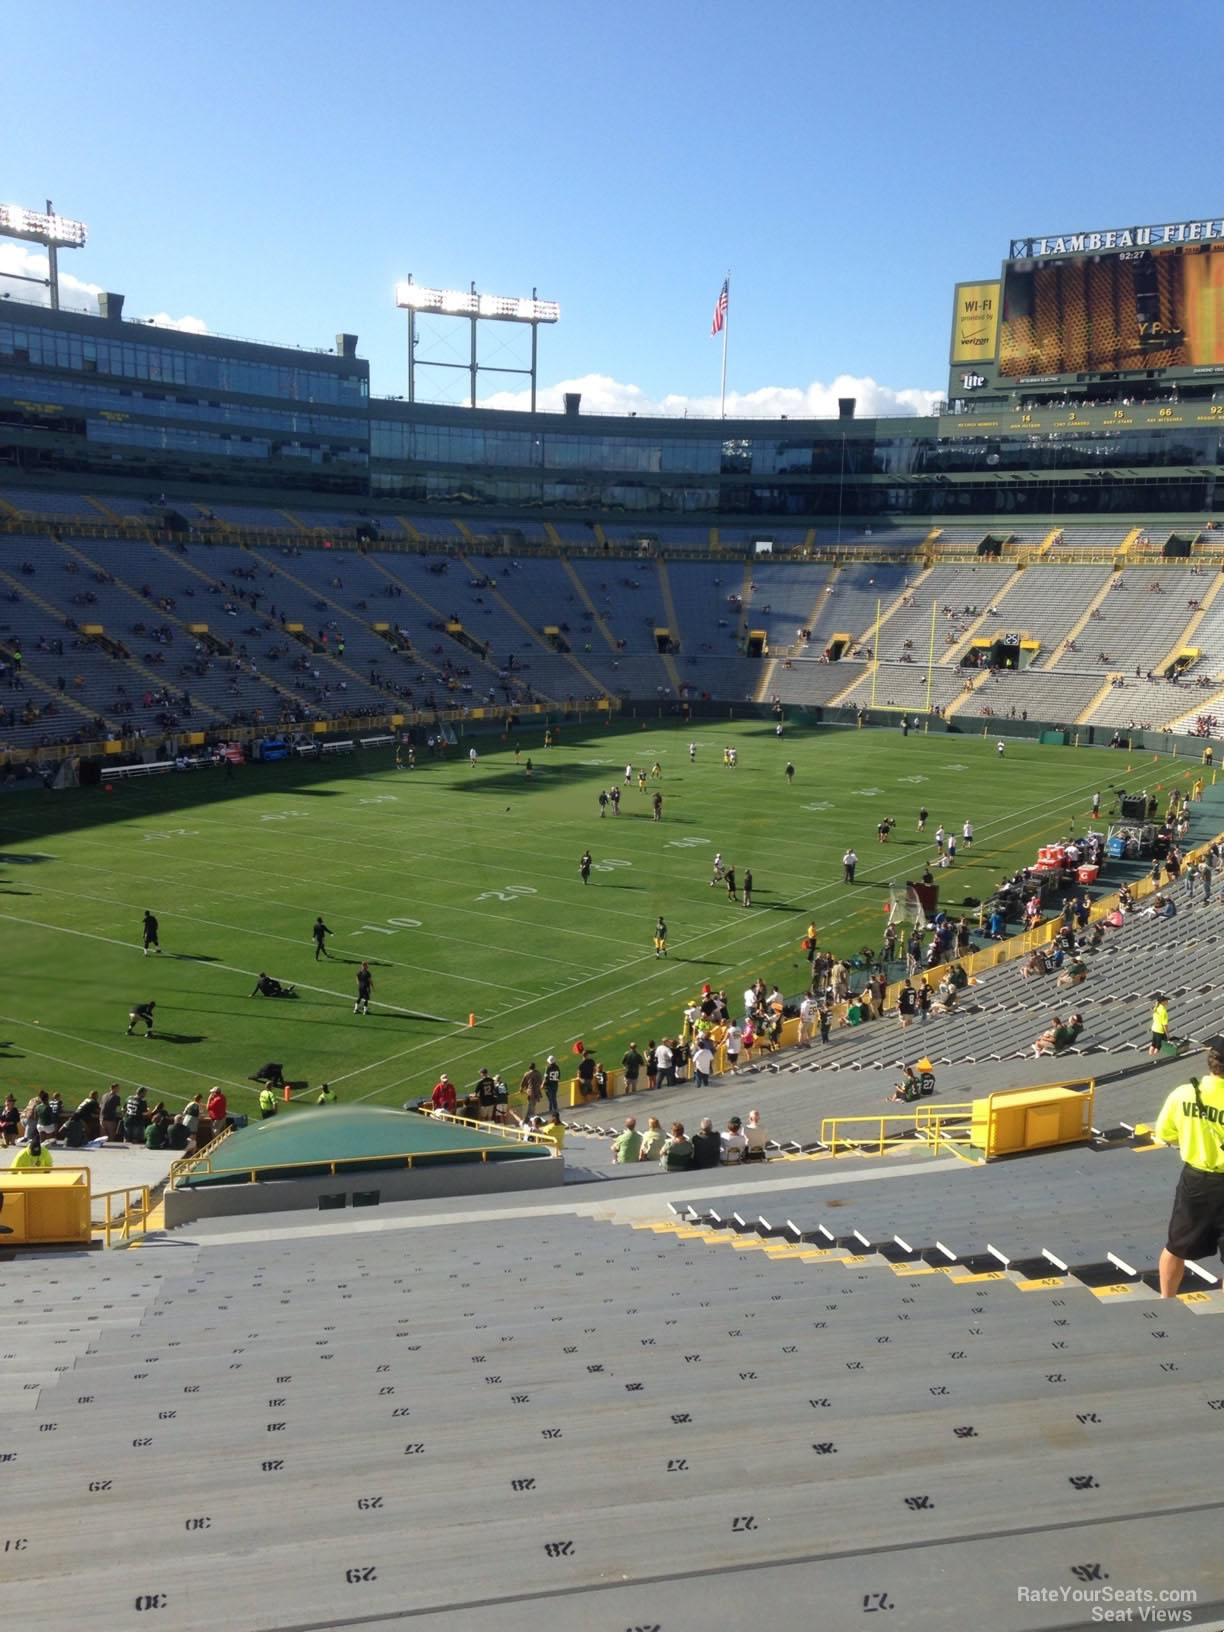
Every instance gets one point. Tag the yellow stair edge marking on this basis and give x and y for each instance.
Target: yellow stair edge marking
(1047, 543)
(952, 655)
(1098, 697)
(965, 1280)
(513, 612)
(11, 509)
(962, 697)
(671, 620)
(1077, 629)
(1133, 537)
(585, 597)
(413, 532)
(1043, 1283)
(1196, 617)
(1122, 1289)
(105, 509)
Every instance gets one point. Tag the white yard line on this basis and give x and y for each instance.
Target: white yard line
(324, 991)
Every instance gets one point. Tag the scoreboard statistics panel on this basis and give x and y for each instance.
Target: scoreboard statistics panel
(1129, 312)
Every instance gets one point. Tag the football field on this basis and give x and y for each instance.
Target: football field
(460, 886)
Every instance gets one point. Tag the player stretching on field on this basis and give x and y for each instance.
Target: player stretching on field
(141, 1012)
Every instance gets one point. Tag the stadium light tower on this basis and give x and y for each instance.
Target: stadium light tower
(55, 232)
(476, 308)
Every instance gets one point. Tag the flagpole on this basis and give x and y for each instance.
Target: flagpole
(722, 400)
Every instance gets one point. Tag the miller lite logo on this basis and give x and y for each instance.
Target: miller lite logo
(971, 382)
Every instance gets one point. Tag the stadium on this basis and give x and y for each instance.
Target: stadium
(280, 653)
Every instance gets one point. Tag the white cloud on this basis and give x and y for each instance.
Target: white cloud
(18, 260)
(188, 325)
(601, 394)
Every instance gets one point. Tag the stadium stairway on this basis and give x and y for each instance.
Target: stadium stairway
(592, 610)
(400, 575)
(116, 598)
(176, 576)
(98, 667)
(1025, 1223)
(590, 685)
(513, 1417)
(671, 621)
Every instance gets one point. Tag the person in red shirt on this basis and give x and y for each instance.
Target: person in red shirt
(217, 1111)
(444, 1094)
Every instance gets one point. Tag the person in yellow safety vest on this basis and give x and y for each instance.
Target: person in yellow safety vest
(1192, 1118)
(267, 1102)
(33, 1156)
(326, 1096)
(1160, 1024)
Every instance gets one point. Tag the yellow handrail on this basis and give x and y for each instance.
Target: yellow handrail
(921, 1120)
(130, 1218)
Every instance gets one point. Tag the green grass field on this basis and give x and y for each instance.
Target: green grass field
(461, 887)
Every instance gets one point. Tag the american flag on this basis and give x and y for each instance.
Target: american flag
(720, 310)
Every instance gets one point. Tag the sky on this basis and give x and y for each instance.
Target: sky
(270, 170)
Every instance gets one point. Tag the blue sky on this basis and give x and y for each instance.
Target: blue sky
(271, 169)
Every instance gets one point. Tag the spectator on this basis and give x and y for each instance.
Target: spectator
(703, 1062)
(652, 1141)
(217, 1111)
(676, 1154)
(1074, 972)
(664, 1057)
(1059, 1035)
(707, 1146)
(756, 1136)
(627, 1146)
(32, 1156)
(10, 1121)
(734, 1143)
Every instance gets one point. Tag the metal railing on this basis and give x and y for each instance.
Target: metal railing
(330, 1166)
(121, 1215)
(933, 1125)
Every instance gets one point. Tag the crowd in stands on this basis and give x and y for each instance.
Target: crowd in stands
(116, 1117)
(678, 1152)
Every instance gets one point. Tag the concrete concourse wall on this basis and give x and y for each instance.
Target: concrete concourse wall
(424, 1183)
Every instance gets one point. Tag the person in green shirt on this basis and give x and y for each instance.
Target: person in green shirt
(33, 1156)
(1192, 1118)
(626, 1147)
(554, 1129)
(267, 1102)
(326, 1095)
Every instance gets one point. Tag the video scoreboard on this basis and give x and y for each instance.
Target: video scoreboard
(1133, 303)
